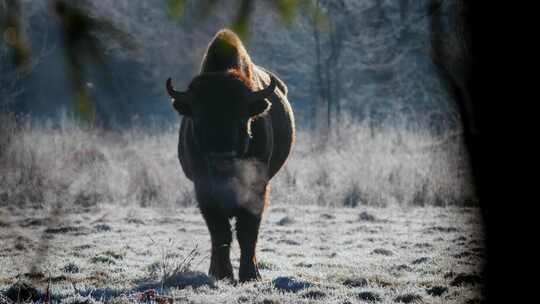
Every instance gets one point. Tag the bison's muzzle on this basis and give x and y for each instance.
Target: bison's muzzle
(221, 164)
(234, 182)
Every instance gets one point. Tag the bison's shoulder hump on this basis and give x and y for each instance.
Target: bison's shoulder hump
(228, 36)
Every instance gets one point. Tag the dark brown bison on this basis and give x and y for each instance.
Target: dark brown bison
(236, 133)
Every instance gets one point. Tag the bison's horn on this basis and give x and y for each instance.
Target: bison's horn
(172, 92)
(266, 92)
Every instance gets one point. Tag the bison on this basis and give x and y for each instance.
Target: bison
(236, 133)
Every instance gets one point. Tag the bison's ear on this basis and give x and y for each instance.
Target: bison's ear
(183, 108)
(259, 107)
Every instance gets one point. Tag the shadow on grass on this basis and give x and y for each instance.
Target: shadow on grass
(181, 281)
(152, 290)
(145, 290)
(290, 284)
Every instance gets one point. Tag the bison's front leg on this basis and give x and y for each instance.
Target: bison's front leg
(221, 235)
(247, 230)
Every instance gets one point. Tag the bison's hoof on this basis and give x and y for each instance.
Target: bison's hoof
(250, 274)
(222, 274)
(227, 279)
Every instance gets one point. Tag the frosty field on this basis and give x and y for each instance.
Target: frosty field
(307, 254)
(382, 216)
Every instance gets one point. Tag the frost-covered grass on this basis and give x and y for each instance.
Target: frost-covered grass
(318, 255)
(101, 216)
(43, 163)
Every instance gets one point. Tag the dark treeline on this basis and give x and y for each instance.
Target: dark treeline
(106, 61)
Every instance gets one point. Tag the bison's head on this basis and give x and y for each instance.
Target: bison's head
(222, 106)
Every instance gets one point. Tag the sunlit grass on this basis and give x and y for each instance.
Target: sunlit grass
(44, 162)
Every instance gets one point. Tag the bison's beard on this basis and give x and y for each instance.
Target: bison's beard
(241, 186)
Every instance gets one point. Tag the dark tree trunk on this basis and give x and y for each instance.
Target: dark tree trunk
(322, 98)
(459, 76)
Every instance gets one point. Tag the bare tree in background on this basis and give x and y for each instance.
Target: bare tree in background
(14, 52)
(451, 55)
(9, 82)
(328, 70)
(82, 48)
(12, 32)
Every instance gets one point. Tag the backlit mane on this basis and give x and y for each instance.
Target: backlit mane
(226, 53)
(236, 74)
